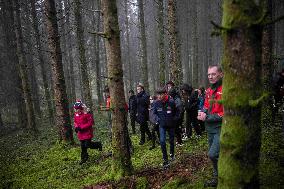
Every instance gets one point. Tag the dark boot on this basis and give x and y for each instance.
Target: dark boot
(211, 183)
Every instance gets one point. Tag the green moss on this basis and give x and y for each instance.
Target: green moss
(141, 183)
(177, 183)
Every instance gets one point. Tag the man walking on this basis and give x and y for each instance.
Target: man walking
(212, 116)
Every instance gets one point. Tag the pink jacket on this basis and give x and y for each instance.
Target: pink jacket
(85, 121)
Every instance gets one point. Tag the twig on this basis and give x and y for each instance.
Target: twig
(219, 27)
(274, 21)
(101, 34)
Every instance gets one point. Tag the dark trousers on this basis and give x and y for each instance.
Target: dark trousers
(154, 130)
(132, 123)
(171, 132)
(214, 148)
(192, 121)
(178, 133)
(144, 129)
(85, 144)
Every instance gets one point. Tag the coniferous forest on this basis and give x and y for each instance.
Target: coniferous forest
(102, 94)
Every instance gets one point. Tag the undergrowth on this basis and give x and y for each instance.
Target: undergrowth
(42, 162)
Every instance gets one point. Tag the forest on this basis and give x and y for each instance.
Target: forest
(86, 85)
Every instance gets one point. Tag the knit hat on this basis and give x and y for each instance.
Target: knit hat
(78, 105)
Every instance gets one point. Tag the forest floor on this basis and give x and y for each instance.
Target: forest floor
(41, 162)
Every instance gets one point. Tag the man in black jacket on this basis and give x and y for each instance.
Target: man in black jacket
(143, 102)
(132, 108)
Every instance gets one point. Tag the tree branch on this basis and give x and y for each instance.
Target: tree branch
(101, 34)
(274, 21)
(219, 27)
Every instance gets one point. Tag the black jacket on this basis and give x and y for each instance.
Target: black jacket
(143, 102)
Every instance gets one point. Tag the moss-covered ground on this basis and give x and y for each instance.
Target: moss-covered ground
(41, 162)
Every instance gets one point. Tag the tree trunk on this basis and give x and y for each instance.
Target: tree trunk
(82, 56)
(97, 51)
(242, 95)
(130, 77)
(195, 66)
(61, 102)
(121, 165)
(143, 45)
(70, 58)
(175, 63)
(23, 70)
(161, 43)
(267, 68)
(1, 120)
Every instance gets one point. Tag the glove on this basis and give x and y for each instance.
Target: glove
(77, 129)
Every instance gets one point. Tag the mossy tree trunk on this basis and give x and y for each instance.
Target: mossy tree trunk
(161, 43)
(175, 62)
(61, 103)
(267, 67)
(242, 92)
(121, 165)
(82, 56)
(23, 70)
(144, 64)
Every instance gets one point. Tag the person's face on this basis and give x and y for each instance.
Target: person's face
(169, 86)
(139, 89)
(214, 75)
(160, 96)
(78, 110)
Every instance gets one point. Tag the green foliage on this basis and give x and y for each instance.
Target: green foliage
(142, 183)
(43, 162)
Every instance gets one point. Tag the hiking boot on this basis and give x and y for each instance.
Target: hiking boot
(172, 158)
(83, 161)
(166, 165)
(100, 148)
(211, 183)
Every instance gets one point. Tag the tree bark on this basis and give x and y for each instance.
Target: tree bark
(175, 63)
(97, 23)
(242, 95)
(23, 70)
(161, 43)
(143, 45)
(267, 68)
(121, 165)
(61, 103)
(82, 56)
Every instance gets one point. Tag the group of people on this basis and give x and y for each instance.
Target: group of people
(165, 111)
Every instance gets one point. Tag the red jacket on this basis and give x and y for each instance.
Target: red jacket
(211, 101)
(85, 121)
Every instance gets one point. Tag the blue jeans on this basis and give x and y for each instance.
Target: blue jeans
(214, 148)
(171, 132)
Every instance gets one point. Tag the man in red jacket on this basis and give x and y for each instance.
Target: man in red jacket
(83, 122)
(212, 116)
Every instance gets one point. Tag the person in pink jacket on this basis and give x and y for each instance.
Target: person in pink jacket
(83, 123)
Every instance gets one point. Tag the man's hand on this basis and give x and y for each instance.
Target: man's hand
(201, 116)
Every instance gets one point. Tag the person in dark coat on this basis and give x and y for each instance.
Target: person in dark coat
(142, 116)
(132, 108)
(191, 102)
(179, 105)
(154, 127)
(165, 115)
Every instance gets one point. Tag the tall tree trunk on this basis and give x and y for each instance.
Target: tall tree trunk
(267, 68)
(195, 66)
(61, 102)
(70, 57)
(129, 63)
(242, 95)
(121, 165)
(175, 63)
(97, 23)
(41, 63)
(23, 70)
(143, 45)
(161, 43)
(82, 56)
(1, 120)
